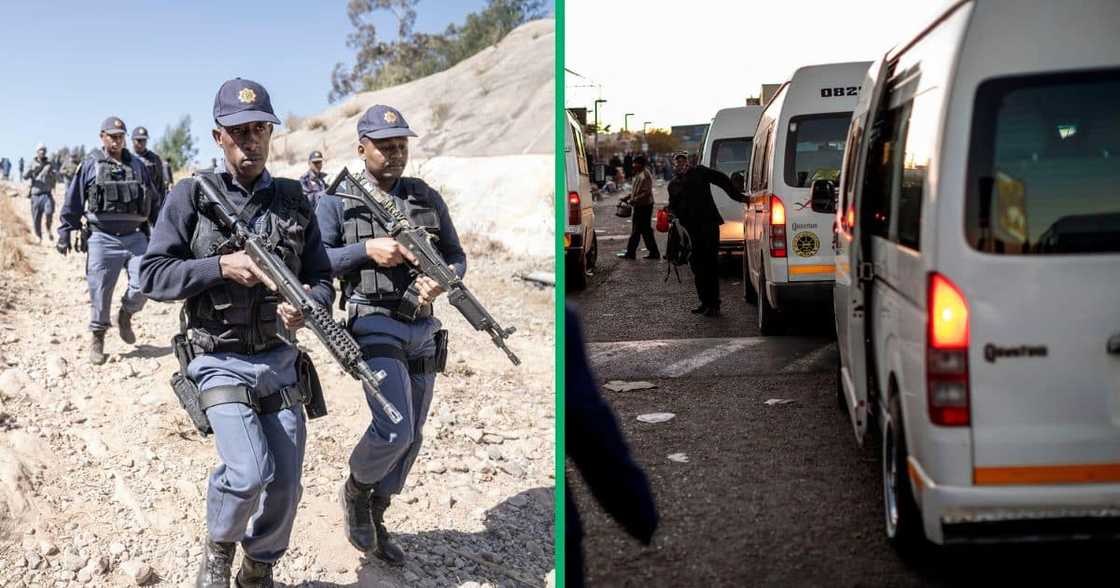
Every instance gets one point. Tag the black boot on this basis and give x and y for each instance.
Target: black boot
(712, 311)
(217, 560)
(355, 499)
(699, 309)
(97, 348)
(386, 549)
(254, 574)
(124, 323)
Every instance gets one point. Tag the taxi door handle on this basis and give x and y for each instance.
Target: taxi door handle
(1114, 345)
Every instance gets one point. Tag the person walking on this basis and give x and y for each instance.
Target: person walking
(690, 200)
(641, 198)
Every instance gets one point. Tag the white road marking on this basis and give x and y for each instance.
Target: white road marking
(807, 361)
(705, 357)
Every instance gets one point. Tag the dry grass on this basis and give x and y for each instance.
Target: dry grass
(440, 110)
(13, 234)
(351, 108)
(316, 124)
(293, 122)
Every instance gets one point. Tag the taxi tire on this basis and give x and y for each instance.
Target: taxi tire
(749, 292)
(907, 536)
(841, 402)
(592, 254)
(769, 321)
(575, 272)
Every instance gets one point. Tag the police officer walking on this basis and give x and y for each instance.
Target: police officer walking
(115, 195)
(390, 314)
(314, 181)
(152, 161)
(243, 364)
(690, 200)
(43, 179)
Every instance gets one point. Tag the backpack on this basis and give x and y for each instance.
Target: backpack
(678, 250)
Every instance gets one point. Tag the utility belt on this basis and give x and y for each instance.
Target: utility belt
(404, 309)
(307, 391)
(202, 342)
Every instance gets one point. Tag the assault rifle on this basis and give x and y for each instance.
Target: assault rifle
(429, 261)
(335, 338)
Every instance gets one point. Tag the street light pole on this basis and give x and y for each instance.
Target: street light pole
(644, 126)
(626, 121)
(597, 128)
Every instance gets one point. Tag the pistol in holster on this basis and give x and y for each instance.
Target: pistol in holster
(185, 389)
(313, 400)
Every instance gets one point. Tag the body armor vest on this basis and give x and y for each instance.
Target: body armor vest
(376, 283)
(150, 162)
(117, 193)
(236, 318)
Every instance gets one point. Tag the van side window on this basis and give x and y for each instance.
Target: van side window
(922, 121)
(758, 170)
(883, 169)
(855, 133)
(581, 152)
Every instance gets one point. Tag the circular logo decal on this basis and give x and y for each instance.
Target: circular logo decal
(246, 96)
(806, 244)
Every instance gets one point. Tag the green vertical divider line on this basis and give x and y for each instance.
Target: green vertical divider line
(560, 199)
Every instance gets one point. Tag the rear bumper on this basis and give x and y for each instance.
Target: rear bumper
(991, 514)
(799, 294)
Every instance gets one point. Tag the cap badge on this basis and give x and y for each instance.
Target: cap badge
(390, 117)
(117, 123)
(247, 96)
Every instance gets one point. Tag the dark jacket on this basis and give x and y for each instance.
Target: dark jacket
(595, 445)
(690, 196)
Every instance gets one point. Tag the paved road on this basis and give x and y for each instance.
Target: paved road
(771, 494)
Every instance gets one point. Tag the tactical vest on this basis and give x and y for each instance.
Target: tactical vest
(151, 163)
(385, 284)
(117, 193)
(240, 319)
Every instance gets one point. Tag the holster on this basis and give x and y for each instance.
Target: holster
(312, 390)
(82, 244)
(440, 357)
(185, 389)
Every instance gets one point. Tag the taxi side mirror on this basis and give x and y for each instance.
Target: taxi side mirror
(738, 181)
(823, 197)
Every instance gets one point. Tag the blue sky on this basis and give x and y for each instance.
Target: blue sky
(67, 65)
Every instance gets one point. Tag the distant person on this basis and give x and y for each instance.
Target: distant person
(154, 164)
(595, 445)
(641, 198)
(114, 195)
(615, 165)
(6, 168)
(21, 167)
(43, 179)
(628, 165)
(690, 200)
(70, 169)
(314, 181)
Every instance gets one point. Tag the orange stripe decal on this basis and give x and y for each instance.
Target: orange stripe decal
(915, 480)
(811, 269)
(1058, 474)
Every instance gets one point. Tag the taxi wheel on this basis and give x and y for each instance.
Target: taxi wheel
(592, 253)
(769, 321)
(749, 293)
(902, 517)
(575, 272)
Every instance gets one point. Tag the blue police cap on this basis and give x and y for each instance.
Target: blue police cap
(243, 101)
(139, 133)
(383, 122)
(113, 126)
(315, 156)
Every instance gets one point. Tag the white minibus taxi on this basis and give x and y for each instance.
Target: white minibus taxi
(727, 148)
(787, 259)
(977, 294)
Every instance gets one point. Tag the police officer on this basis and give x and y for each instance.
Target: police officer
(70, 169)
(232, 322)
(115, 195)
(380, 292)
(21, 167)
(690, 200)
(43, 179)
(151, 160)
(314, 181)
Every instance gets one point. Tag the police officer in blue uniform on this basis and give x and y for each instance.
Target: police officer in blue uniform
(115, 196)
(314, 181)
(237, 331)
(152, 161)
(43, 178)
(379, 291)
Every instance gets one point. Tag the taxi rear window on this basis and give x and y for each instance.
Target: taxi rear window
(815, 147)
(1044, 173)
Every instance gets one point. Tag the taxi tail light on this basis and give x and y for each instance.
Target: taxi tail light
(947, 354)
(777, 227)
(575, 213)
